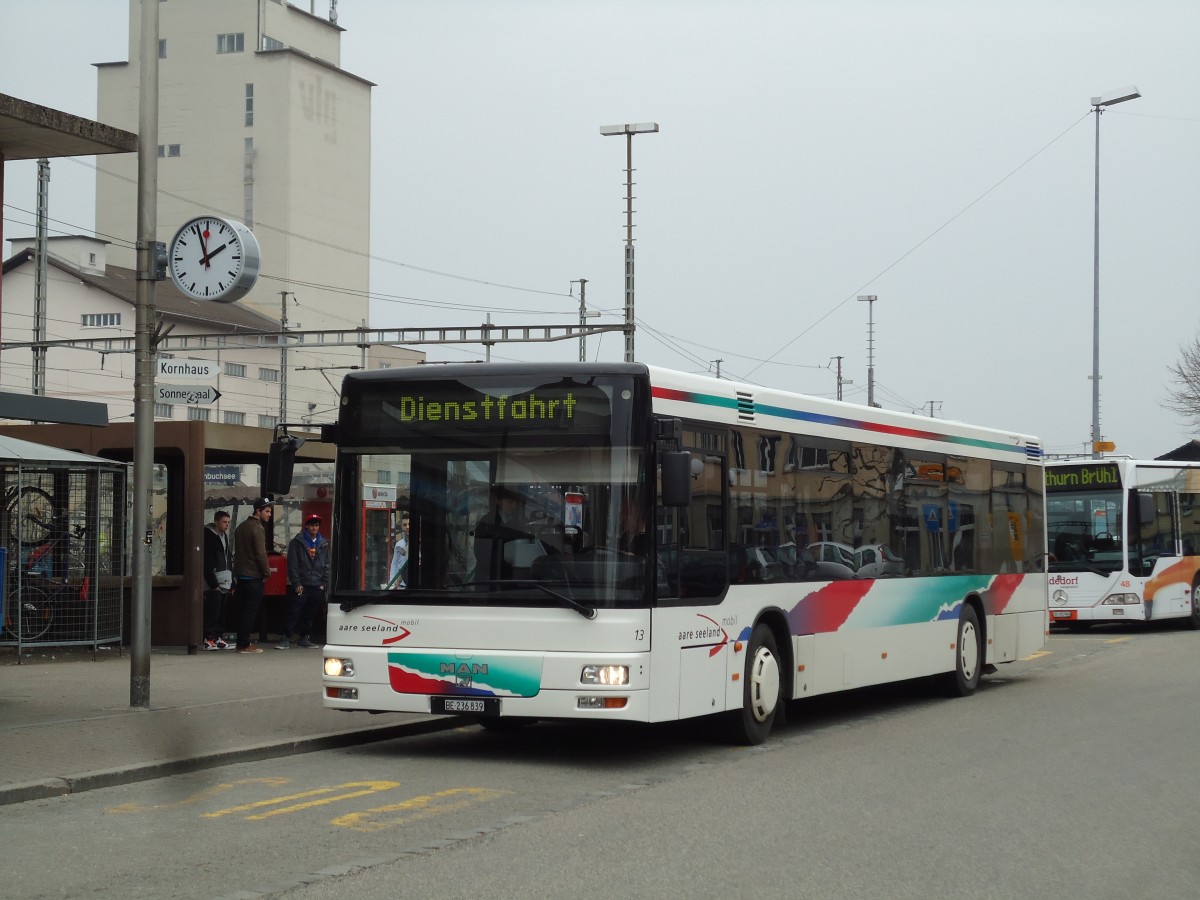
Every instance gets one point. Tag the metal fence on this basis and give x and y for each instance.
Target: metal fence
(64, 539)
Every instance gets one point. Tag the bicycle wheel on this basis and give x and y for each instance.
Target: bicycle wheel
(28, 617)
(30, 517)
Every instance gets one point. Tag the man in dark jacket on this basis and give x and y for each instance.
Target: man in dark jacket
(218, 578)
(251, 568)
(308, 576)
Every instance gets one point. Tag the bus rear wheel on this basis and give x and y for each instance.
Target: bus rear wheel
(1193, 620)
(761, 690)
(968, 656)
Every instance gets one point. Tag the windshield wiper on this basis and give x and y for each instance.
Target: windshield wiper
(588, 612)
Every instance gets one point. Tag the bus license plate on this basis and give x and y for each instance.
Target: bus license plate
(1062, 613)
(479, 706)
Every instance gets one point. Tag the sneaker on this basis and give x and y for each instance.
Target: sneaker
(306, 643)
(285, 644)
(249, 648)
(210, 645)
(221, 644)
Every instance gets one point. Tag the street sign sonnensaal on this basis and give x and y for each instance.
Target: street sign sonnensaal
(188, 394)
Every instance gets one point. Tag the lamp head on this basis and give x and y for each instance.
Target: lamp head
(629, 128)
(1114, 97)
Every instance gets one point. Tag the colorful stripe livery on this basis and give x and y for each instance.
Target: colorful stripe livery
(840, 604)
(477, 675)
(799, 415)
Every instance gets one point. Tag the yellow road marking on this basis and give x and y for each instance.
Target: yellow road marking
(326, 796)
(1119, 640)
(1038, 654)
(418, 808)
(199, 797)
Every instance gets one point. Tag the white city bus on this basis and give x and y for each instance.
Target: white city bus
(529, 592)
(1122, 537)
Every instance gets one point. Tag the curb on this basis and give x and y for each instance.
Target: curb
(88, 781)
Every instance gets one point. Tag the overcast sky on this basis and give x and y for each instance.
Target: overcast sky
(938, 154)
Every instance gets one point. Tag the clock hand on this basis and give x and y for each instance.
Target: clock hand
(203, 246)
(214, 253)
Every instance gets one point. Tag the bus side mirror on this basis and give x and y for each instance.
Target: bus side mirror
(281, 458)
(676, 478)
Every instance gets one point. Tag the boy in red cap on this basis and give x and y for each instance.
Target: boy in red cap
(308, 576)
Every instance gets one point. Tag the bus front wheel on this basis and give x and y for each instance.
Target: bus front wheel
(968, 656)
(760, 690)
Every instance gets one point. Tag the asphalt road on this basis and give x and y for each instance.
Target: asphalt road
(1068, 775)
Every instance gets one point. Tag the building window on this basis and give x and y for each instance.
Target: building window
(235, 418)
(199, 413)
(238, 370)
(249, 104)
(172, 150)
(268, 374)
(101, 320)
(164, 411)
(267, 421)
(231, 43)
(92, 258)
(270, 43)
(162, 48)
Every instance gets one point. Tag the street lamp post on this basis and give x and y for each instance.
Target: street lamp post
(870, 299)
(1098, 104)
(629, 130)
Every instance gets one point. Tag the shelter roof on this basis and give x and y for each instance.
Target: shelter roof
(31, 131)
(12, 448)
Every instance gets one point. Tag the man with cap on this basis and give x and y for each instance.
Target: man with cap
(307, 575)
(251, 570)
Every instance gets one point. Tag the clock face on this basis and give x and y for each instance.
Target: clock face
(211, 258)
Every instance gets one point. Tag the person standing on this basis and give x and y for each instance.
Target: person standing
(251, 570)
(396, 575)
(307, 575)
(218, 579)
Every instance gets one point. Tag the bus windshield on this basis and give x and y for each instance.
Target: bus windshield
(1085, 531)
(545, 504)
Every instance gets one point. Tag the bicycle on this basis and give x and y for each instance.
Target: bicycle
(26, 505)
(34, 582)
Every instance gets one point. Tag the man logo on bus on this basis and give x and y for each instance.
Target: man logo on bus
(463, 673)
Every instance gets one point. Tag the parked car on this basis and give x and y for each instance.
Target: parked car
(835, 562)
(796, 563)
(877, 561)
(753, 564)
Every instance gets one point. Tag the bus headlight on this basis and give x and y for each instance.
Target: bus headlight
(339, 668)
(1121, 600)
(605, 675)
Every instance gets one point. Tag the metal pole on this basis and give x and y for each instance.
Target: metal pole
(870, 299)
(582, 319)
(1096, 301)
(143, 383)
(39, 279)
(629, 248)
(283, 323)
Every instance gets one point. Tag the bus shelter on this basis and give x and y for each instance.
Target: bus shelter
(62, 545)
(199, 468)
